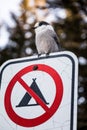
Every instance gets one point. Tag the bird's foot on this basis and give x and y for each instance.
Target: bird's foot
(39, 55)
(47, 54)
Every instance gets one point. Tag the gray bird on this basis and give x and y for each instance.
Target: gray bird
(46, 39)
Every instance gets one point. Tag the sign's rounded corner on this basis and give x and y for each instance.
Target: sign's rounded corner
(71, 54)
(5, 64)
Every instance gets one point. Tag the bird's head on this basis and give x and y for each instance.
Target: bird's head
(42, 26)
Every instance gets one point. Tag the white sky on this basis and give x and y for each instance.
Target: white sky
(7, 6)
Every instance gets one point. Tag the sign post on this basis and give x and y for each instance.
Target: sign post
(39, 93)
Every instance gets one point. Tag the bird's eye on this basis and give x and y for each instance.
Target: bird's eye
(43, 23)
(40, 24)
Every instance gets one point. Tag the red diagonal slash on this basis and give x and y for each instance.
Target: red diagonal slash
(33, 94)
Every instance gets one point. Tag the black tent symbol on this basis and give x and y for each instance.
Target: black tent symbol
(26, 98)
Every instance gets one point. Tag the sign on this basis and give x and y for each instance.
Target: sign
(39, 93)
(42, 118)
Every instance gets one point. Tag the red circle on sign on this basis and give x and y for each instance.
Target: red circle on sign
(48, 111)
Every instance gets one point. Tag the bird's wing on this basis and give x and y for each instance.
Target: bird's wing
(54, 36)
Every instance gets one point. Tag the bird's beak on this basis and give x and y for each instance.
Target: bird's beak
(34, 27)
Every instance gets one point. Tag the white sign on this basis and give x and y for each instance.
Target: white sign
(39, 93)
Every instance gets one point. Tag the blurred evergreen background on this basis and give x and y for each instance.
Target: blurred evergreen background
(69, 18)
